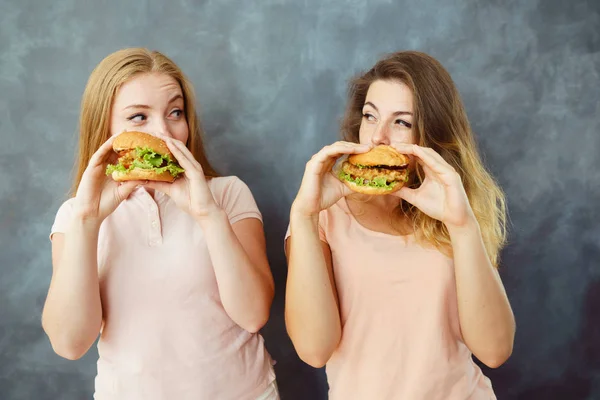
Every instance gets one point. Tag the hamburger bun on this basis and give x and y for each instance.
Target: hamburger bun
(373, 191)
(380, 155)
(143, 157)
(138, 174)
(131, 139)
(382, 170)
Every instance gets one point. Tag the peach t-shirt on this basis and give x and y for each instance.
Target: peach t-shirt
(166, 334)
(401, 336)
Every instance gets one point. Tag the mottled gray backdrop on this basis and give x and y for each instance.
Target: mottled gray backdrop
(271, 80)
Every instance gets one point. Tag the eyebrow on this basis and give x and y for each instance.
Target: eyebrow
(145, 106)
(368, 103)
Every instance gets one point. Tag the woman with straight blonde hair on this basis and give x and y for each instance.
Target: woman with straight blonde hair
(173, 276)
(394, 293)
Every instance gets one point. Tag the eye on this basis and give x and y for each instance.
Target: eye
(137, 117)
(177, 113)
(369, 117)
(403, 122)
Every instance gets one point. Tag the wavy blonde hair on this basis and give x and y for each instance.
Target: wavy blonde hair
(440, 123)
(103, 83)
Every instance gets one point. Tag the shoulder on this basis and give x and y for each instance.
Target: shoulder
(63, 216)
(234, 196)
(66, 207)
(222, 184)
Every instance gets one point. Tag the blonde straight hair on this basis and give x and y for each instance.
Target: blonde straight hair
(440, 123)
(103, 83)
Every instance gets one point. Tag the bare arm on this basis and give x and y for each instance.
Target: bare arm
(72, 314)
(486, 318)
(238, 252)
(311, 304)
(239, 258)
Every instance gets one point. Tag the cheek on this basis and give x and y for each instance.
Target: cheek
(180, 131)
(364, 133)
(404, 136)
(116, 126)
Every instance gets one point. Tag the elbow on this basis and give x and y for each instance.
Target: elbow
(315, 360)
(315, 356)
(66, 347)
(260, 316)
(254, 325)
(68, 351)
(316, 350)
(497, 358)
(71, 354)
(495, 362)
(495, 352)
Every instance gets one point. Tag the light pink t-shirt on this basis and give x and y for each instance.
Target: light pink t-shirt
(166, 335)
(401, 335)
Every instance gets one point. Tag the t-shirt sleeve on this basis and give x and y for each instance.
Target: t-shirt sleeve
(63, 218)
(238, 202)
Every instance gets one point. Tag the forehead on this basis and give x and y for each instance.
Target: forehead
(147, 88)
(390, 95)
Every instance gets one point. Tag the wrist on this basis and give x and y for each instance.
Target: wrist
(82, 222)
(469, 227)
(299, 212)
(211, 218)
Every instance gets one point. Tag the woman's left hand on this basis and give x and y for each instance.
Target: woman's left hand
(441, 194)
(191, 192)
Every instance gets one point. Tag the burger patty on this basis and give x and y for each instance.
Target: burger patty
(126, 157)
(374, 172)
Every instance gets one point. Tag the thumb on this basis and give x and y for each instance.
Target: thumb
(125, 189)
(407, 194)
(160, 186)
(346, 190)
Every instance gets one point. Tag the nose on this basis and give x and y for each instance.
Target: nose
(161, 128)
(380, 136)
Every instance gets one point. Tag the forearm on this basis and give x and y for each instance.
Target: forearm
(72, 314)
(246, 292)
(486, 318)
(311, 309)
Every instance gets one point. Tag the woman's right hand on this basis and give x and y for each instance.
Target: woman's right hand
(320, 188)
(98, 195)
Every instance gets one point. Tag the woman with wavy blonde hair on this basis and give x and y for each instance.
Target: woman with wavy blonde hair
(395, 293)
(173, 276)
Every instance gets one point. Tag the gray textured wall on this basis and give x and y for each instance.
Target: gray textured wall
(271, 81)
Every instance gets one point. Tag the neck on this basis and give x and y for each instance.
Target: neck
(386, 202)
(377, 210)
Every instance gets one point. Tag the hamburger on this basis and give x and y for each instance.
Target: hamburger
(143, 157)
(382, 170)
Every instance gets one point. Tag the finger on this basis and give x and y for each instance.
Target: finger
(162, 187)
(405, 148)
(125, 189)
(329, 154)
(437, 156)
(427, 157)
(99, 157)
(183, 156)
(407, 194)
(193, 169)
(341, 148)
(345, 189)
